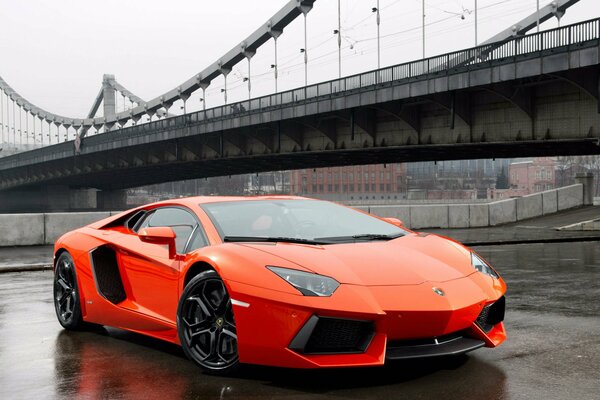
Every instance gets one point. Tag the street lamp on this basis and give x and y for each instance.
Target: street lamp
(247, 79)
(376, 10)
(423, 25)
(476, 41)
(305, 51)
(462, 17)
(338, 31)
(203, 100)
(274, 68)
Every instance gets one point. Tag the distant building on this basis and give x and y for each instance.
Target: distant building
(457, 179)
(527, 177)
(535, 176)
(361, 182)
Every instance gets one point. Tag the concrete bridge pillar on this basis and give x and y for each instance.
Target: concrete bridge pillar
(587, 180)
(112, 200)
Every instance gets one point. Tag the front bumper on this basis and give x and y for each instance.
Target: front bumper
(391, 322)
(448, 345)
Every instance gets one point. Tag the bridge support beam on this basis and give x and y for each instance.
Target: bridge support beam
(111, 200)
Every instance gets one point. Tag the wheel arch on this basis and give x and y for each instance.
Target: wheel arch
(197, 268)
(57, 254)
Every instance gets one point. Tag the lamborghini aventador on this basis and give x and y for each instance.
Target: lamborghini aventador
(278, 280)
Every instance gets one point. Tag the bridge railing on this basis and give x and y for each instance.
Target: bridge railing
(582, 34)
(549, 41)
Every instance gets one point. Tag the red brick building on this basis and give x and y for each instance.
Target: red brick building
(378, 181)
(533, 176)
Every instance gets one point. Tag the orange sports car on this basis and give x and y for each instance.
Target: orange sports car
(278, 280)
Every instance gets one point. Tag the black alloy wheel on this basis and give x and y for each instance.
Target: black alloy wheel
(206, 326)
(66, 293)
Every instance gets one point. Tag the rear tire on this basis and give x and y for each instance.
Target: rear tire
(66, 293)
(206, 326)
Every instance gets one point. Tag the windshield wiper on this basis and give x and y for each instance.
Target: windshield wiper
(377, 236)
(364, 236)
(272, 239)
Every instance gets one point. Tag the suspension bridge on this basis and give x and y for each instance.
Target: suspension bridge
(517, 94)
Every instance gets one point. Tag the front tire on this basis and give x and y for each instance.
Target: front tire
(206, 326)
(66, 293)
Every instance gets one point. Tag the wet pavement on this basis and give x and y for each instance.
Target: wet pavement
(552, 351)
(25, 258)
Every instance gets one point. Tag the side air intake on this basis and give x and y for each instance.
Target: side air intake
(106, 274)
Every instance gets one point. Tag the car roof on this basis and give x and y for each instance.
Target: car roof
(197, 200)
(192, 203)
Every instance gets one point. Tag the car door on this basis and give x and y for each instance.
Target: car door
(151, 277)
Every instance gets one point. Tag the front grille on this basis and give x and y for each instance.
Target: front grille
(322, 335)
(491, 315)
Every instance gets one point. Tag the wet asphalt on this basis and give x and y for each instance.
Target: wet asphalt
(552, 350)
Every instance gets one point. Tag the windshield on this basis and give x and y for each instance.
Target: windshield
(310, 220)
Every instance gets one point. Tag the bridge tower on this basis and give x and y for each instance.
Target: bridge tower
(109, 97)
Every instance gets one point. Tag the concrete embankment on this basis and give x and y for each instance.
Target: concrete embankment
(537, 230)
(484, 214)
(42, 229)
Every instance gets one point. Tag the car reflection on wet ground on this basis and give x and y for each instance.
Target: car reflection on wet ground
(552, 352)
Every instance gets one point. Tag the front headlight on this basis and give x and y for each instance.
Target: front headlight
(306, 283)
(482, 266)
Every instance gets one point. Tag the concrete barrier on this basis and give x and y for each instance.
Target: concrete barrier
(400, 212)
(550, 201)
(21, 229)
(570, 197)
(434, 216)
(503, 212)
(458, 215)
(39, 229)
(57, 224)
(479, 215)
(529, 206)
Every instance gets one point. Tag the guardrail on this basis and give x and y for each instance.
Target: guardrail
(566, 38)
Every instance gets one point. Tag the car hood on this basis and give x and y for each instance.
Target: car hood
(408, 260)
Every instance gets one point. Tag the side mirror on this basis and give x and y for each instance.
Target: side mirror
(159, 235)
(394, 221)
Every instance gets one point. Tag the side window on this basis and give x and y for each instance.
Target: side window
(198, 240)
(182, 222)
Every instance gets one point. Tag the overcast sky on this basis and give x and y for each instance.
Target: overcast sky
(54, 53)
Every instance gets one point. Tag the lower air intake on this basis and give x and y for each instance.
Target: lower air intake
(324, 335)
(491, 315)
